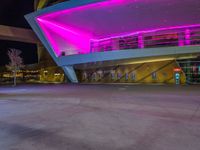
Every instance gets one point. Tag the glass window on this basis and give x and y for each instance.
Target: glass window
(133, 76)
(126, 76)
(112, 75)
(119, 75)
(154, 77)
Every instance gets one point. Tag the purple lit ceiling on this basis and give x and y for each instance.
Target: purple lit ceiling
(71, 30)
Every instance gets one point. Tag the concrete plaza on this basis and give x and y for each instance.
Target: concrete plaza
(99, 117)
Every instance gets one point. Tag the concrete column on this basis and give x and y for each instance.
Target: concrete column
(187, 37)
(70, 73)
(140, 41)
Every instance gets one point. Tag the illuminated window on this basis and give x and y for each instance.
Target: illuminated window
(133, 76)
(154, 76)
(126, 76)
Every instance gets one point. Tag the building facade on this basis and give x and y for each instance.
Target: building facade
(118, 41)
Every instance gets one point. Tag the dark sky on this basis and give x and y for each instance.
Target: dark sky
(12, 14)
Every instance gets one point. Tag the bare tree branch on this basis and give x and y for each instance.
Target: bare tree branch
(16, 62)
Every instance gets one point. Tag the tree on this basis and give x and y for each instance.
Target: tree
(16, 62)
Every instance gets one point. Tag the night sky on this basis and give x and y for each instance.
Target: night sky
(12, 14)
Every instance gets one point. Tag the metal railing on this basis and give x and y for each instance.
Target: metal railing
(162, 38)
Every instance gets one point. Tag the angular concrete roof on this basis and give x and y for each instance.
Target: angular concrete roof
(71, 26)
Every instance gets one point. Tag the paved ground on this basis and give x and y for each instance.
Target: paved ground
(100, 117)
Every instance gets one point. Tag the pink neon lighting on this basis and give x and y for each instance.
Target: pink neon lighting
(50, 39)
(79, 42)
(83, 41)
(147, 31)
(63, 37)
(187, 36)
(93, 5)
(56, 25)
(140, 41)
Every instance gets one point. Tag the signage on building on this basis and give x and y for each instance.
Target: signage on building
(177, 70)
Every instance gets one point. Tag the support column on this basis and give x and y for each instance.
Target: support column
(140, 41)
(181, 38)
(187, 37)
(69, 71)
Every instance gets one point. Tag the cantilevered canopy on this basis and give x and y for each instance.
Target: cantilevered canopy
(72, 29)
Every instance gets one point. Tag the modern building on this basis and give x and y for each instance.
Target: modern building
(122, 41)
